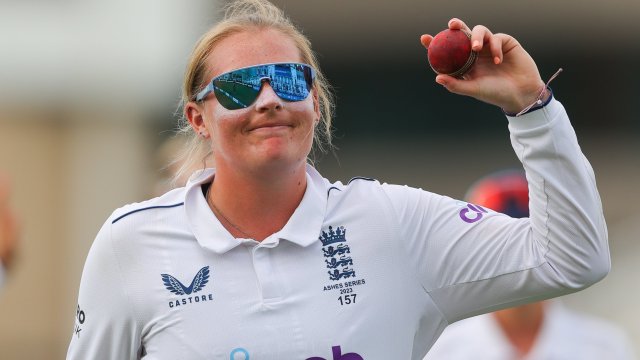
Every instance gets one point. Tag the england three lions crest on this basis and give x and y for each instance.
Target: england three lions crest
(337, 253)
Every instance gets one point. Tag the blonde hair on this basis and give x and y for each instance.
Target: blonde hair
(243, 15)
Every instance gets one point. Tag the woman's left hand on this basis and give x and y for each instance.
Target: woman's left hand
(504, 74)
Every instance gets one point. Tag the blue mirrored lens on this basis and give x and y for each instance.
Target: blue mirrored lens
(238, 89)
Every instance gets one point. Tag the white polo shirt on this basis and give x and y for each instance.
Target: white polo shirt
(361, 270)
(564, 335)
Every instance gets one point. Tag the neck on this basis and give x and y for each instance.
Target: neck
(521, 325)
(256, 206)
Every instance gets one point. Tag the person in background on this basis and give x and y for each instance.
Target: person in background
(8, 231)
(544, 330)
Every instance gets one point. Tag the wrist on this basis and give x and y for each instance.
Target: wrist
(543, 98)
(524, 99)
(541, 101)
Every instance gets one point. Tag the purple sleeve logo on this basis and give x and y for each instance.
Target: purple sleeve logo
(475, 211)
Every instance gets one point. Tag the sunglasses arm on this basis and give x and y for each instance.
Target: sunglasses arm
(203, 94)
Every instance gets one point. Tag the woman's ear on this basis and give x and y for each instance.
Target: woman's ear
(195, 115)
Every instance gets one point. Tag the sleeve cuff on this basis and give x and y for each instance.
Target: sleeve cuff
(535, 119)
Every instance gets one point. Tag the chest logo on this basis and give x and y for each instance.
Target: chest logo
(336, 253)
(337, 259)
(198, 283)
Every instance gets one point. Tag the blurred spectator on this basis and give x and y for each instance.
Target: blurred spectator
(8, 231)
(538, 331)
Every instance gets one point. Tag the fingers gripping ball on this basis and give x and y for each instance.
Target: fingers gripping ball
(450, 53)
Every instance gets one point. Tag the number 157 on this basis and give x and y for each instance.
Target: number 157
(347, 299)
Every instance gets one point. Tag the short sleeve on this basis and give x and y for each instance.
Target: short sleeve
(105, 327)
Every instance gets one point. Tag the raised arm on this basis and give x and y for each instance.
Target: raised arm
(472, 260)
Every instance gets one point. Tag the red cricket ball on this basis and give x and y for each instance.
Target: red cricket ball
(450, 53)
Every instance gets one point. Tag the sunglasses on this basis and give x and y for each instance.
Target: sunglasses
(239, 88)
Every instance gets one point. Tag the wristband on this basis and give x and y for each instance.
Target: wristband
(539, 103)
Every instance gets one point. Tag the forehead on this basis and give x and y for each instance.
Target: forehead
(251, 47)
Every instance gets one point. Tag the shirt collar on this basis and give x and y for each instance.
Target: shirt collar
(303, 228)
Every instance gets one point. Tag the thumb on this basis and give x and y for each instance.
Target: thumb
(456, 86)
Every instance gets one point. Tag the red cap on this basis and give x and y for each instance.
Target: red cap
(505, 191)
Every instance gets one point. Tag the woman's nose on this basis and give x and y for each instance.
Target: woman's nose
(267, 99)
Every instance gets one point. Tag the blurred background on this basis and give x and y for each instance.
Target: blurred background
(89, 91)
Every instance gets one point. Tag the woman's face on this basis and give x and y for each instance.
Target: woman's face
(271, 134)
